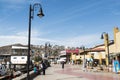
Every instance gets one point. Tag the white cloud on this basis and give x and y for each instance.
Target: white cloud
(5, 40)
(86, 40)
(22, 37)
(34, 33)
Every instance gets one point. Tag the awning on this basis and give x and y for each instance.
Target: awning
(76, 51)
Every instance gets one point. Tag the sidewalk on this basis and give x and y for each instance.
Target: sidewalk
(74, 72)
(54, 73)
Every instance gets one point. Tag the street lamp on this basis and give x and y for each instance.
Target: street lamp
(31, 16)
(106, 40)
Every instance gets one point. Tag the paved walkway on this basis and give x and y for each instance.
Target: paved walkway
(74, 72)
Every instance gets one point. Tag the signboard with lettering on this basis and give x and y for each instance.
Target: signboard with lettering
(18, 59)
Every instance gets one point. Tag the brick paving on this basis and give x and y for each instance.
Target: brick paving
(75, 72)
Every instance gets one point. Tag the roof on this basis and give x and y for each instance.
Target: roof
(12, 45)
(110, 43)
(19, 47)
(97, 49)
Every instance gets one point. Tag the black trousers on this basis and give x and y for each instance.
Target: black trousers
(43, 71)
(62, 66)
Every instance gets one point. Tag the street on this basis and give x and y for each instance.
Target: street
(75, 72)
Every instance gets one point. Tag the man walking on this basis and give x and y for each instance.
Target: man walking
(43, 66)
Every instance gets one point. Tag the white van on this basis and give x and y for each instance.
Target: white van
(3, 70)
(61, 60)
(62, 57)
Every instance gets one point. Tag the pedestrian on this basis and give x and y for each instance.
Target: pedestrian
(62, 64)
(113, 69)
(43, 67)
(35, 69)
(115, 65)
(38, 71)
(72, 62)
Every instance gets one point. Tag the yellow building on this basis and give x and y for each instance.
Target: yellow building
(117, 43)
(100, 52)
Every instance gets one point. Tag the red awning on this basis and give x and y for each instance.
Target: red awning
(76, 51)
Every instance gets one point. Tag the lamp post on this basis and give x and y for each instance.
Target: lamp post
(106, 40)
(31, 16)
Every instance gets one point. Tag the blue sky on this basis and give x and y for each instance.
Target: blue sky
(66, 22)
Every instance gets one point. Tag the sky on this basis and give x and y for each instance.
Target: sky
(73, 23)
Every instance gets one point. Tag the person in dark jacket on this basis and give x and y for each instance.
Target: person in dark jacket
(43, 66)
